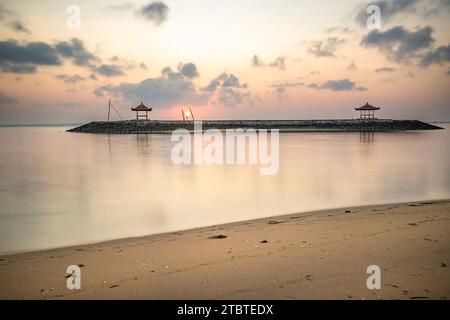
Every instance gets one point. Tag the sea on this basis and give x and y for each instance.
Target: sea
(61, 189)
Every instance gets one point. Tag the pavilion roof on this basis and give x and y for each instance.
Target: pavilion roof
(141, 107)
(367, 106)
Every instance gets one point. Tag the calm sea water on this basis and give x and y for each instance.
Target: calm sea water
(59, 188)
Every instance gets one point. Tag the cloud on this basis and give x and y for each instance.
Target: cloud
(39, 53)
(440, 55)
(121, 7)
(143, 66)
(385, 69)
(25, 57)
(13, 20)
(70, 79)
(281, 88)
(227, 89)
(325, 48)
(338, 85)
(4, 13)
(189, 70)
(437, 7)
(161, 91)
(399, 44)
(75, 50)
(6, 100)
(155, 12)
(17, 68)
(338, 30)
(427, 8)
(224, 80)
(388, 9)
(334, 85)
(109, 70)
(80, 56)
(124, 64)
(19, 26)
(279, 63)
(171, 88)
(351, 66)
(257, 62)
(231, 97)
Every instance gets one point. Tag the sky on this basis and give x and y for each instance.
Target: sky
(61, 61)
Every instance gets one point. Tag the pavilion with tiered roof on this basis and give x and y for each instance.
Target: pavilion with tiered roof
(367, 111)
(141, 108)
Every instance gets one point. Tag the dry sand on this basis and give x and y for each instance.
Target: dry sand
(319, 255)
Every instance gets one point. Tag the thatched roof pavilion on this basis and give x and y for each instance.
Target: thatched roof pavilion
(367, 111)
(141, 108)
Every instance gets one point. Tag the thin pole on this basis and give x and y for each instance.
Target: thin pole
(193, 119)
(120, 117)
(109, 108)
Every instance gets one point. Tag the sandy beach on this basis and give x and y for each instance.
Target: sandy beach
(317, 255)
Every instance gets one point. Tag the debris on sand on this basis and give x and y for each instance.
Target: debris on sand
(220, 236)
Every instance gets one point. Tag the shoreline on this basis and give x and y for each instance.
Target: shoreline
(227, 261)
(231, 224)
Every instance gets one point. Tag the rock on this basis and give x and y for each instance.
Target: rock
(264, 241)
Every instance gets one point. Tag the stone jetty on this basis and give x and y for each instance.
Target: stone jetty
(167, 126)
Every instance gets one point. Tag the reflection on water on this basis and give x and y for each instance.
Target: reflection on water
(367, 136)
(59, 188)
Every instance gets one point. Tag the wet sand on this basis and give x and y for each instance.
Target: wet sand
(316, 255)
